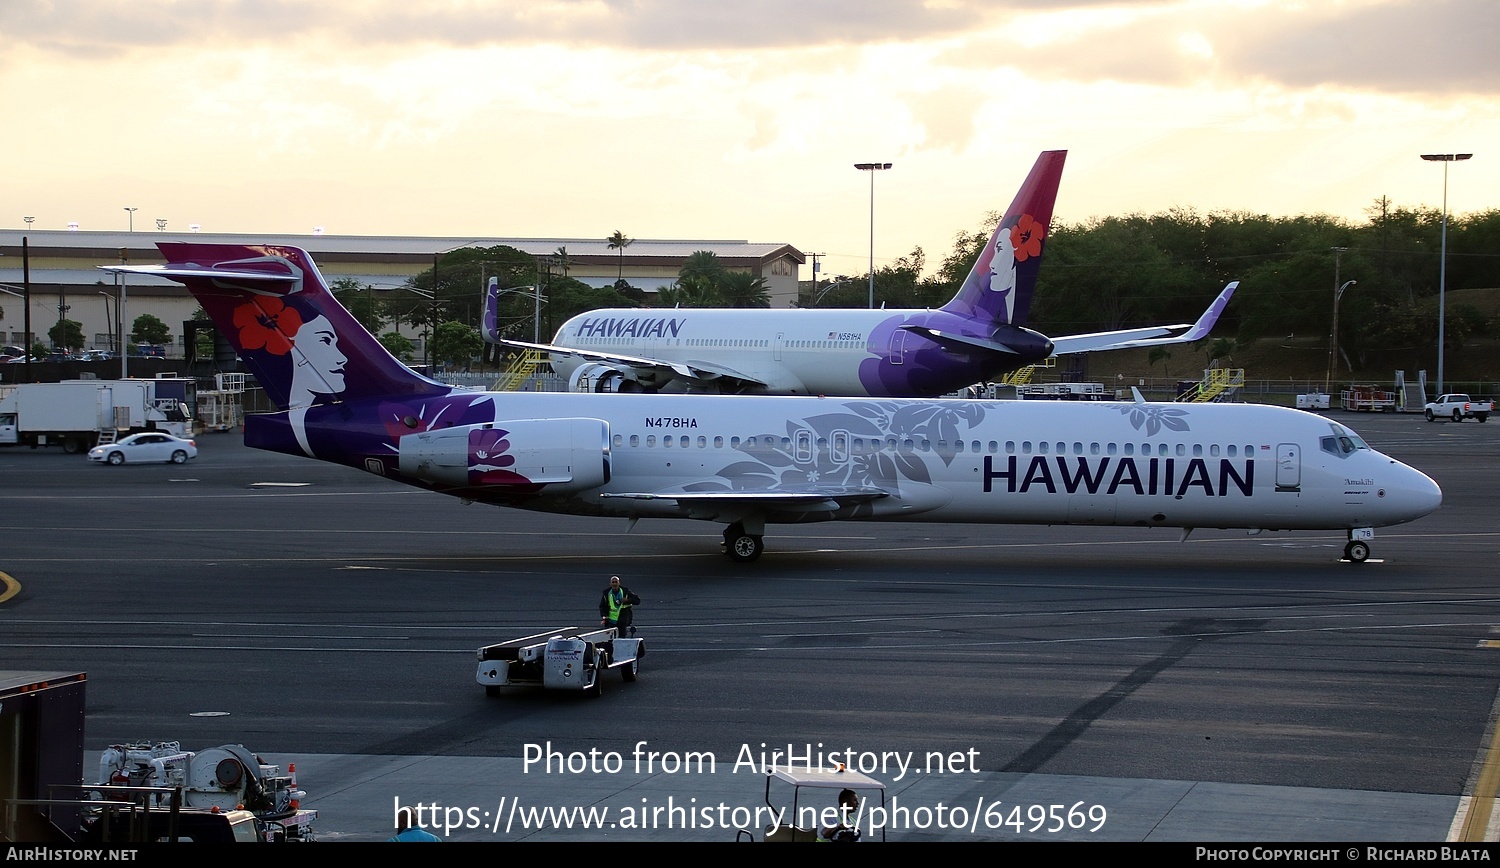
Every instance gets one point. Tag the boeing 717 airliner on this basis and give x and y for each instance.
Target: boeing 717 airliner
(749, 461)
(977, 336)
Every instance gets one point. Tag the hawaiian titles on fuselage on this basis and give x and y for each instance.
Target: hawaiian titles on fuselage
(630, 327)
(1112, 475)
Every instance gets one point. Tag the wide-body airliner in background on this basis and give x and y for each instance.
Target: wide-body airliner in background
(976, 337)
(749, 461)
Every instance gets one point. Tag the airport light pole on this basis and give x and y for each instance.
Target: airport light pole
(829, 288)
(109, 317)
(120, 312)
(872, 168)
(1445, 159)
(1333, 336)
(131, 211)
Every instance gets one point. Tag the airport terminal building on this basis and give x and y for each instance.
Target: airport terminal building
(65, 280)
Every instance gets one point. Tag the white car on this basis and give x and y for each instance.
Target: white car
(146, 446)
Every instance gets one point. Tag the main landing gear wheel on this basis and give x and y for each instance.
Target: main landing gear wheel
(741, 546)
(1357, 551)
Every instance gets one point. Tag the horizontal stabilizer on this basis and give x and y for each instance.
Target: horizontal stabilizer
(278, 277)
(968, 343)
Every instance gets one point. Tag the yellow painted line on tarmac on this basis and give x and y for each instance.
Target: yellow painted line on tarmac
(1480, 807)
(1478, 810)
(9, 587)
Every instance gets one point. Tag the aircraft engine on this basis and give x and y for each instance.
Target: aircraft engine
(598, 377)
(564, 455)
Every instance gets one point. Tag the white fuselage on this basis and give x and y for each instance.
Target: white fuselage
(794, 352)
(727, 458)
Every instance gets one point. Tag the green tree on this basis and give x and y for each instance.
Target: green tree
(147, 329)
(967, 246)
(744, 290)
(702, 264)
(360, 301)
(203, 340)
(397, 345)
(455, 290)
(1222, 348)
(456, 343)
(694, 291)
(1159, 354)
(67, 335)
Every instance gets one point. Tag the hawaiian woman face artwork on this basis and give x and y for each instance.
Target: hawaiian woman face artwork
(1022, 242)
(282, 327)
(1003, 271)
(320, 365)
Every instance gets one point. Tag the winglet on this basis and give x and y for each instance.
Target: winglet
(1205, 323)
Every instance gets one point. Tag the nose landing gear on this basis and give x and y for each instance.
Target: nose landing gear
(1357, 550)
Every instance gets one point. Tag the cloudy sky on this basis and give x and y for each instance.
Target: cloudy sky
(733, 120)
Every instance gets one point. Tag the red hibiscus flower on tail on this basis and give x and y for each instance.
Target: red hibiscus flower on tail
(267, 324)
(1026, 236)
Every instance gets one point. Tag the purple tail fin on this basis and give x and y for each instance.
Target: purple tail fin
(998, 290)
(489, 327)
(273, 307)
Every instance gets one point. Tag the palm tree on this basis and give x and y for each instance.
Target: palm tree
(689, 292)
(743, 289)
(619, 242)
(702, 263)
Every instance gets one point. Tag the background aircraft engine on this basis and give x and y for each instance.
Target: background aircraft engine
(597, 377)
(563, 454)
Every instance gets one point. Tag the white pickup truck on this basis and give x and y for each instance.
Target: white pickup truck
(1458, 408)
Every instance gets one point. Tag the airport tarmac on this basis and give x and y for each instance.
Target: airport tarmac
(1227, 688)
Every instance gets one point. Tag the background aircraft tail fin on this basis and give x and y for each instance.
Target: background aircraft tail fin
(271, 304)
(999, 288)
(489, 319)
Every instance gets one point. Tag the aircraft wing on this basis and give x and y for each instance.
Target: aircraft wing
(1149, 336)
(809, 498)
(694, 371)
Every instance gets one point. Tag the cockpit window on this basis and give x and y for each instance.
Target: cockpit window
(1345, 434)
(1343, 442)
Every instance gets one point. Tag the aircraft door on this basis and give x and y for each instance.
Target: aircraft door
(898, 347)
(777, 345)
(1288, 467)
(802, 447)
(838, 450)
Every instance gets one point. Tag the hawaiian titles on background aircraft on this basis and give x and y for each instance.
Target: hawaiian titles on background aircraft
(630, 327)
